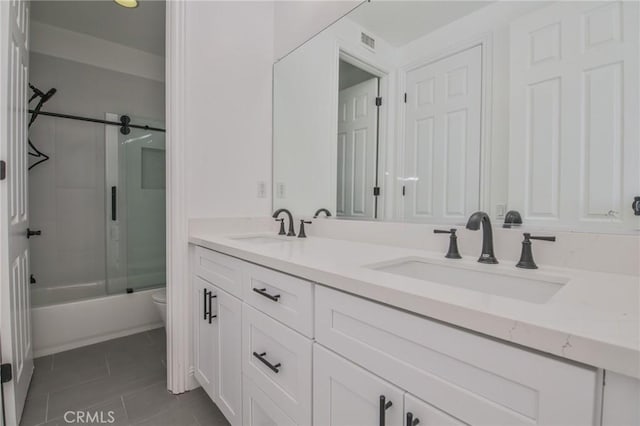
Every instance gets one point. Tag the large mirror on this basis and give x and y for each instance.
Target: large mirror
(428, 111)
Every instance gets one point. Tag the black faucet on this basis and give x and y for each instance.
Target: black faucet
(322, 210)
(275, 215)
(473, 224)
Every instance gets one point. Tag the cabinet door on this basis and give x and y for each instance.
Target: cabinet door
(418, 412)
(347, 395)
(205, 336)
(228, 394)
(260, 410)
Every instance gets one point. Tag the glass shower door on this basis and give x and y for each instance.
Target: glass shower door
(135, 208)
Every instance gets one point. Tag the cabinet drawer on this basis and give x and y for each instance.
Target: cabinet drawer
(278, 360)
(220, 270)
(259, 409)
(475, 379)
(283, 297)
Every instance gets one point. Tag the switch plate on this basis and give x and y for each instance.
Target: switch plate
(280, 190)
(262, 189)
(501, 210)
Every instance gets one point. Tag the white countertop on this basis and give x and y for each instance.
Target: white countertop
(593, 319)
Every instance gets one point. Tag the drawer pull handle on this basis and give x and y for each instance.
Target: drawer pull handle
(384, 406)
(263, 292)
(205, 297)
(412, 421)
(274, 368)
(211, 297)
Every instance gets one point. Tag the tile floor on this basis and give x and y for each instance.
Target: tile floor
(125, 376)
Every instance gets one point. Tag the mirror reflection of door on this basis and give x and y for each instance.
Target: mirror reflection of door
(357, 142)
(442, 148)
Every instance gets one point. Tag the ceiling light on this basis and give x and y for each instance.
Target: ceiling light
(127, 3)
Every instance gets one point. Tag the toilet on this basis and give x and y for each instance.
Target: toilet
(160, 300)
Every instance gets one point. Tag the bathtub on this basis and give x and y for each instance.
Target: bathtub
(43, 295)
(83, 314)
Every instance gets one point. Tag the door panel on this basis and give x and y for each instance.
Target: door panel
(15, 329)
(574, 150)
(347, 395)
(205, 338)
(442, 138)
(229, 327)
(357, 146)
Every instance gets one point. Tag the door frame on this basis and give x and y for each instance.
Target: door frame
(485, 41)
(180, 377)
(349, 55)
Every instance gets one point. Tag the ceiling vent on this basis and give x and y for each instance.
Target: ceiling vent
(368, 41)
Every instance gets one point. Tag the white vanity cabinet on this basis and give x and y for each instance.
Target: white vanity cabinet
(472, 378)
(274, 349)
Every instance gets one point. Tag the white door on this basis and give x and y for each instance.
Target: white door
(345, 394)
(574, 130)
(229, 328)
(442, 139)
(15, 321)
(205, 336)
(357, 150)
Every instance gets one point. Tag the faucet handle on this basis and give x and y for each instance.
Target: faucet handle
(453, 252)
(281, 226)
(301, 233)
(528, 235)
(526, 256)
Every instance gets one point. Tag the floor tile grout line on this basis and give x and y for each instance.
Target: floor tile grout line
(46, 410)
(124, 406)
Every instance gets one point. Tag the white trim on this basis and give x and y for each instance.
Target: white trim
(54, 41)
(350, 55)
(179, 374)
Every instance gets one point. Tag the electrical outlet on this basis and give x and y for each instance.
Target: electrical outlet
(262, 189)
(501, 210)
(280, 190)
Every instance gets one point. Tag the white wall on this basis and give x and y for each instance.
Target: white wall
(297, 21)
(229, 57)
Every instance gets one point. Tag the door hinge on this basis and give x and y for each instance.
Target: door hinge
(3, 170)
(6, 373)
(378, 101)
(376, 191)
(405, 97)
(404, 190)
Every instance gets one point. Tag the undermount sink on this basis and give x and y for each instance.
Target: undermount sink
(262, 239)
(501, 282)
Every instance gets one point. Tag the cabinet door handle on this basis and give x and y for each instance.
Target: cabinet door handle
(384, 406)
(211, 297)
(411, 421)
(205, 297)
(274, 368)
(263, 292)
